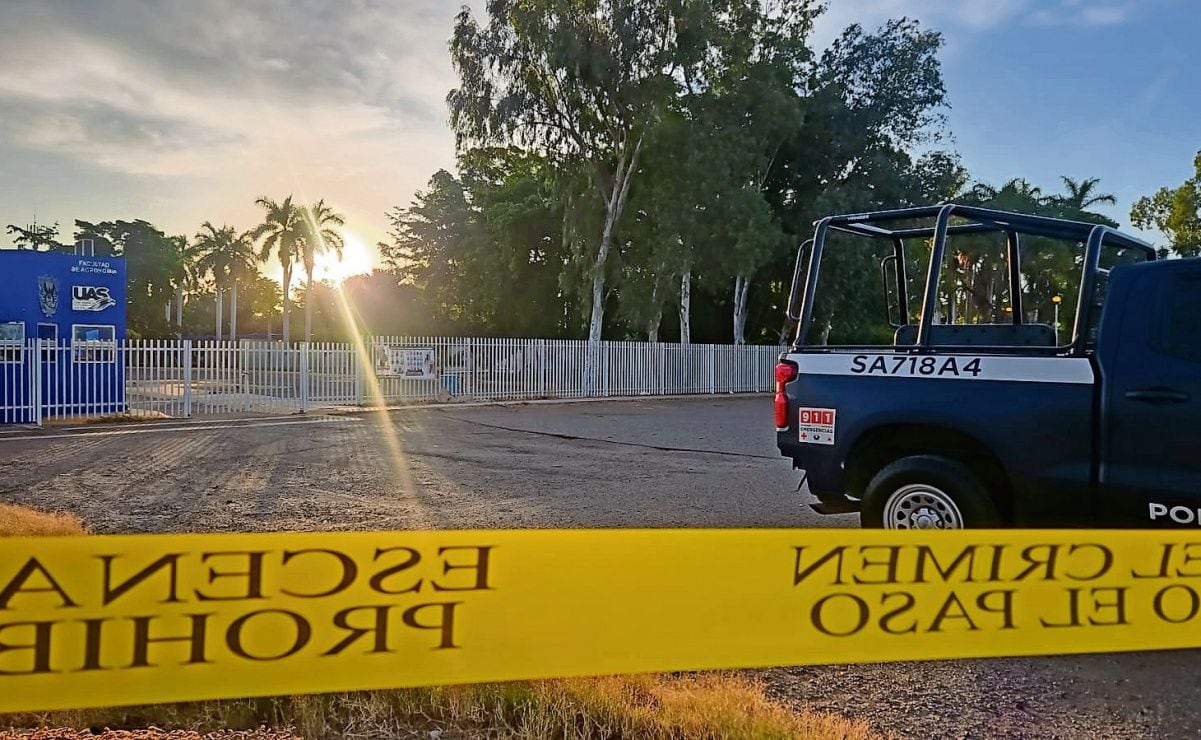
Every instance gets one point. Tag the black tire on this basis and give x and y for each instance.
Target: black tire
(929, 491)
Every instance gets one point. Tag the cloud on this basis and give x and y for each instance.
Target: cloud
(1104, 16)
(114, 138)
(974, 15)
(260, 96)
(229, 78)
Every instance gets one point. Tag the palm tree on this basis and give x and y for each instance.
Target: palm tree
(1082, 193)
(243, 268)
(185, 275)
(228, 256)
(282, 233)
(321, 235)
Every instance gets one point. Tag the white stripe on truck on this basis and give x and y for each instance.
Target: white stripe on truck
(1076, 370)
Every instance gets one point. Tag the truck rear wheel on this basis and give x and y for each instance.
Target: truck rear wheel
(927, 492)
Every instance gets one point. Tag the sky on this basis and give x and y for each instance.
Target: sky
(181, 112)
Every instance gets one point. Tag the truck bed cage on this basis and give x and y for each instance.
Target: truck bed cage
(890, 225)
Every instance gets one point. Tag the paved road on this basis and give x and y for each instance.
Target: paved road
(681, 462)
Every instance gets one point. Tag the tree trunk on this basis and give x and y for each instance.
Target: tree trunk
(219, 307)
(652, 324)
(824, 338)
(787, 333)
(614, 204)
(233, 311)
(287, 306)
(686, 307)
(179, 306)
(742, 287)
(597, 320)
(308, 305)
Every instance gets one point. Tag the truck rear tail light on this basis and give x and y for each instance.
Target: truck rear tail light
(786, 372)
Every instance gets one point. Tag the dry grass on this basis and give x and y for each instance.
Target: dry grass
(18, 521)
(686, 707)
(710, 705)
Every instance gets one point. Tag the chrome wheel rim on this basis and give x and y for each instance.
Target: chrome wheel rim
(921, 506)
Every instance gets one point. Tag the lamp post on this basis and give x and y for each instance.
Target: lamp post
(1056, 299)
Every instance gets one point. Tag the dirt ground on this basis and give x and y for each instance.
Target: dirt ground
(654, 463)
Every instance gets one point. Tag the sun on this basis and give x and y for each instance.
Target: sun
(357, 259)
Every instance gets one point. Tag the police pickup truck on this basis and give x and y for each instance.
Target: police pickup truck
(977, 415)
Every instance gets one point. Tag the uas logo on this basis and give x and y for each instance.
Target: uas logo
(90, 298)
(47, 294)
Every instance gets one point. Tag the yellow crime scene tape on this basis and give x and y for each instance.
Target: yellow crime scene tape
(112, 620)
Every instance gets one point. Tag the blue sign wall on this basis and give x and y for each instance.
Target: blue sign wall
(72, 301)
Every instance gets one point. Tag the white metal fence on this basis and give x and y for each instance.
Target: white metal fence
(42, 380)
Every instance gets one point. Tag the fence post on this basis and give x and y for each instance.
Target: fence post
(735, 369)
(542, 368)
(663, 352)
(607, 354)
(185, 361)
(240, 370)
(356, 363)
(304, 377)
(35, 383)
(712, 368)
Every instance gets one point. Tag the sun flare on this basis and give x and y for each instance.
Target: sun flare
(357, 259)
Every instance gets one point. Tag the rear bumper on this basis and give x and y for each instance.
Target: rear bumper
(842, 505)
(823, 466)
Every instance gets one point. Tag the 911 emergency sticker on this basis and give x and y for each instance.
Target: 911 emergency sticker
(816, 426)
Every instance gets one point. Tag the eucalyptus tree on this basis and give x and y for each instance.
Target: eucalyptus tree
(748, 98)
(579, 83)
(870, 100)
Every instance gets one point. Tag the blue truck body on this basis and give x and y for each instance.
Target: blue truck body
(1101, 431)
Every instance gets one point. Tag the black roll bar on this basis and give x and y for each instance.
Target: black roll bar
(979, 220)
(930, 300)
(1088, 284)
(815, 258)
(1013, 252)
(898, 249)
(794, 299)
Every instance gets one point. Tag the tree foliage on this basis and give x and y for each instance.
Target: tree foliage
(37, 237)
(152, 262)
(690, 146)
(1176, 212)
(580, 84)
(486, 252)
